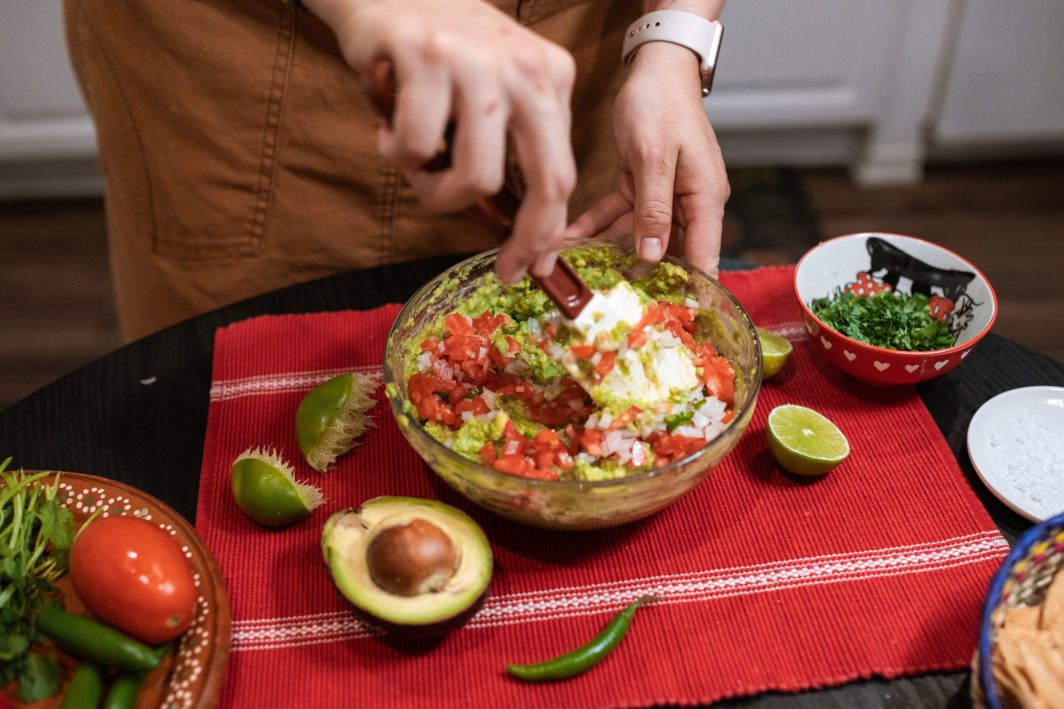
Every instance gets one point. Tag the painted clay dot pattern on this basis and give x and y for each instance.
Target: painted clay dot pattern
(194, 648)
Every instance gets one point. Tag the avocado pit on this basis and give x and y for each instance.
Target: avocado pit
(408, 559)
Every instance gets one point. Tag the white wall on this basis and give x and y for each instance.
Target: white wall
(870, 84)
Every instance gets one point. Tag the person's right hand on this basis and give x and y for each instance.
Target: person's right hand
(467, 62)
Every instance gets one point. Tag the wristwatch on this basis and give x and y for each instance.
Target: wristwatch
(686, 29)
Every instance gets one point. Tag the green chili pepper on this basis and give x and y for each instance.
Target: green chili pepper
(124, 690)
(85, 688)
(585, 657)
(93, 641)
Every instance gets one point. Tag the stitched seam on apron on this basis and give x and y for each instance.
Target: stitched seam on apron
(132, 121)
(268, 165)
(387, 209)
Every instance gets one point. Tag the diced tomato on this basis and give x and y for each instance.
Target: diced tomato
(591, 441)
(510, 432)
(583, 351)
(547, 437)
(668, 447)
(638, 337)
(544, 459)
(488, 454)
(678, 313)
(605, 364)
(551, 330)
(512, 344)
(719, 377)
(486, 323)
(625, 418)
(513, 464)
(728, 416)
(456, 324)
(429, 344)
(477, 406)
(497, 358)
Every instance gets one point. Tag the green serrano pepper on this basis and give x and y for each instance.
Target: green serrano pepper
(583, 658)
(124, 689)
(85, 688)
(93, 641)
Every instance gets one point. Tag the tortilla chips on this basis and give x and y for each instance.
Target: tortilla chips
(1028, 653)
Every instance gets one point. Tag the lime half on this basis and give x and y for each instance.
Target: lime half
(775, 351)
(331, 417)
(264, 488)
(804, 441)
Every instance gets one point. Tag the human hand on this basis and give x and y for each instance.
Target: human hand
(467, 62)
(673, 184)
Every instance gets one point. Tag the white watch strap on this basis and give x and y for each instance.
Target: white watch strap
(686, 29)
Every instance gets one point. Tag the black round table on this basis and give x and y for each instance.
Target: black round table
(139, 415)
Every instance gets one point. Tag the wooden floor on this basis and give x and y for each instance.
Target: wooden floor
(1007, 218)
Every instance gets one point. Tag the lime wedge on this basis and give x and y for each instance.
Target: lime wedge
(804, 441)
(775, 351)
(265, 490)
(331, 417)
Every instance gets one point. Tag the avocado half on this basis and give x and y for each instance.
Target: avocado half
(408, 563)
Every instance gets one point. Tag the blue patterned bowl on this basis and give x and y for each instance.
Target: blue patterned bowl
(1022, 580)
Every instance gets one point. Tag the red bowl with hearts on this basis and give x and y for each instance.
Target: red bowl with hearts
(863, 264)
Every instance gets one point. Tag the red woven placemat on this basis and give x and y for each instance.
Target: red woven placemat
(767, 583)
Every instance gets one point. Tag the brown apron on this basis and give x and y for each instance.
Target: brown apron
(239, 153)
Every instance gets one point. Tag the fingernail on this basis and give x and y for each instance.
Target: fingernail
(650, 248)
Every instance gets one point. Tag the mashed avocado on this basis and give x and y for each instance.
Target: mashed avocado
(600, 415)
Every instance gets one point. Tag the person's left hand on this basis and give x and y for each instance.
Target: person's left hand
(673, 184)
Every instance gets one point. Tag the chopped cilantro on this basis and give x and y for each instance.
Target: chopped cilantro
(896, 321)
(674, 422)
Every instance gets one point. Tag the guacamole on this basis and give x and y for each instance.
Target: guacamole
(506, 380)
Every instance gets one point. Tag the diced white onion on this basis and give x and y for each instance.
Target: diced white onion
(424, 362)
(639, 454)
(467, 415)
(511, 447)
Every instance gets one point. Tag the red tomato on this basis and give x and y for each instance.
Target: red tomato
(133, 576)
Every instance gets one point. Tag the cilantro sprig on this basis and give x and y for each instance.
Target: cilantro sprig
(36, 533)
(896, 321)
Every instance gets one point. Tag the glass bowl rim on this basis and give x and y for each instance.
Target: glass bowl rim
(571, 484)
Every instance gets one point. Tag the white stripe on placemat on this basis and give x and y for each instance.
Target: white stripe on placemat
(260, 385)
(692, 587)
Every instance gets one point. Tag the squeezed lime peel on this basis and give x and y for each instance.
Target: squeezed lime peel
(309, 496)
(341, 433)
(351, 423)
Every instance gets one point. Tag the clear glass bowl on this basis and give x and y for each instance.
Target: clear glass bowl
(563, 504)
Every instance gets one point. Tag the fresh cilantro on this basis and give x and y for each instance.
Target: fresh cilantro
(895, 321)
(36, 533)
(41, 677)
(674, 422)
